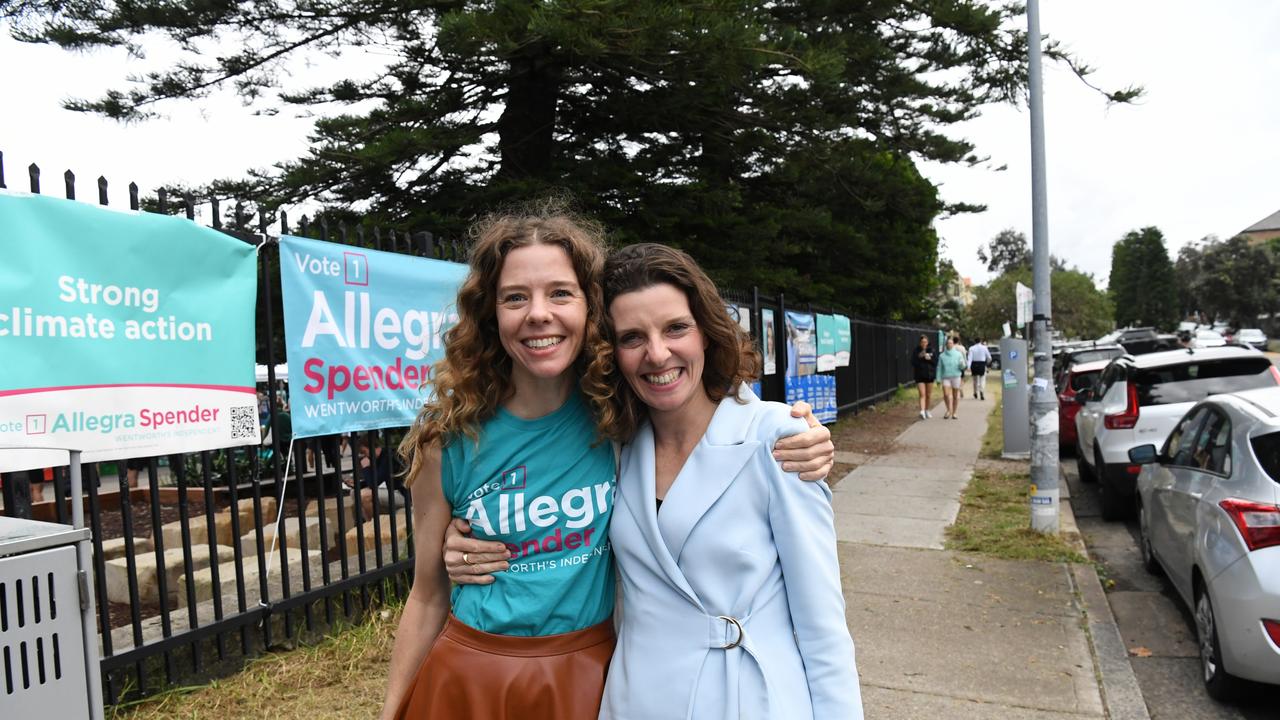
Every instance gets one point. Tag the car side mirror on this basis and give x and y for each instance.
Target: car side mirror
(1143, 454)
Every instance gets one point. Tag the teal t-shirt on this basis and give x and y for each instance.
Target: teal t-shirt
(540, 487)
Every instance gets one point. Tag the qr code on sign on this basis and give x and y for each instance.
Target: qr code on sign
(244, 422)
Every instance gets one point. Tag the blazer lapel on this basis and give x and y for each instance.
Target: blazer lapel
(638, 495)
(709, 471)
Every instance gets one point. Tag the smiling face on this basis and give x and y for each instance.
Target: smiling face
(541, 312)
(659, 349)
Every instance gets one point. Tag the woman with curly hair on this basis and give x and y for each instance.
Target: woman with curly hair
(509, 442)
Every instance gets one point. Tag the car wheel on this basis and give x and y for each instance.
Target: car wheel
(1220, 684)
(1149, 562)
(1112, 505)
(1082, 466)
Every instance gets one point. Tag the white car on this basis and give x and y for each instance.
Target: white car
(1209, 516)
(1253, 337)
(1208, 339)
(1138, 401)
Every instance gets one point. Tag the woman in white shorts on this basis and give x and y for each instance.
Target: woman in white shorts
(950, 376)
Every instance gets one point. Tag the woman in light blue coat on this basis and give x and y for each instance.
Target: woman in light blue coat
(730, 583)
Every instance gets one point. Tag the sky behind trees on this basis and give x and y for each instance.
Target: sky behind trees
(1195, 156)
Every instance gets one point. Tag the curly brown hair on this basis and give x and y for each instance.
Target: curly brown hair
(731, 355)
(474, 377)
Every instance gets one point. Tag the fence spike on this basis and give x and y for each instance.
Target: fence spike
(191, 205)
(304, 227)
(69, 180)
(360, 236)
(162, 201)
(2, 169)
(284, 222)
(342, 233)
(133, 196)
(377, 237)
(102, 190)
(239, 215)
(324, 228)
(213, 210)
(33, 174)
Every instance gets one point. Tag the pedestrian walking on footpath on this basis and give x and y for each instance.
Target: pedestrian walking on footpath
(979, 358)
(924, 366)
(959, 346)
(951, 376)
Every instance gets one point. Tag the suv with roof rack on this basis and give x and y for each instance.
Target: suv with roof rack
(1140, 399)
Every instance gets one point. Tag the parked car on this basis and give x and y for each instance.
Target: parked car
(1253, 337)
(1207, 339)
(1080, 376)
(1140, 399)
(1076, 354)
(1139, 341)
(1209, 516)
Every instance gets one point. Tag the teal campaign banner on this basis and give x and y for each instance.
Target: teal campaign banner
(844, 341)
(124, 334)
(362, 329)
(826, 343)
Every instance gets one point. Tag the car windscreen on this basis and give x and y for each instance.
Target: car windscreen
(1267, 448)
(1080, 381)
(1081, 357)
(1195, 381)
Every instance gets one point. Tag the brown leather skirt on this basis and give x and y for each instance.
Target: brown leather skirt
(474, 675)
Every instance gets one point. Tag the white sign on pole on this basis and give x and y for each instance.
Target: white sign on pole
(1025, 300)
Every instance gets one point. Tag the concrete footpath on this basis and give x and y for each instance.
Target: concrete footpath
(948, 636)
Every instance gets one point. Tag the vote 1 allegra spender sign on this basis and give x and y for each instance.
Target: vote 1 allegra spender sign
(362, 328)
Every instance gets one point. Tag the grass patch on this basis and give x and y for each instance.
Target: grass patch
(343, 676)
(993, 440)
(995, 519)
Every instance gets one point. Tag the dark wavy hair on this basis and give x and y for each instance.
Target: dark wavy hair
(731, 356)
(474, 377)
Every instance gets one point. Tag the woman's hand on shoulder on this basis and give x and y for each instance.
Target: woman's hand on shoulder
(810, 453)
(470, 561)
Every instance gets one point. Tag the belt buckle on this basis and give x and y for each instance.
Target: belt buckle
(732, 621)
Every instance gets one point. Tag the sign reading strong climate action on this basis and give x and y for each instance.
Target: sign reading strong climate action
(362, 328)
(123, 334)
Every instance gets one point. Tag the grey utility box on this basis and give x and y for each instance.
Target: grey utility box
(1014, 377)
(42, 632)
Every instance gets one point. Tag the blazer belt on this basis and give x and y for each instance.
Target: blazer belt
(728, 633)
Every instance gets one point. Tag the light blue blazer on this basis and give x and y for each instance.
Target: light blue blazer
(738, 544)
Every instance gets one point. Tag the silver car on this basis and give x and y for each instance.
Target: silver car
(1209, 514)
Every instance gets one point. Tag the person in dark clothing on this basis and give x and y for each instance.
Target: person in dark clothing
(924, 368)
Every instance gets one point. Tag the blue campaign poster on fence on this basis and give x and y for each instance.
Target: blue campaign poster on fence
(124, 334)
(826, 343)
(802, 347)
(844, 341)
(362, 328)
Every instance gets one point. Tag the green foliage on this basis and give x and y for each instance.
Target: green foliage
(1080, 310)
(1006, 251)
(1143, 287)
(1234, 280)
(774, 141)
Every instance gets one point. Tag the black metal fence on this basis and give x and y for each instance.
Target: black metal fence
(185, 576)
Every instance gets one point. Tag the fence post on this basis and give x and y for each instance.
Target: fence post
(69, 180)
(33, 174)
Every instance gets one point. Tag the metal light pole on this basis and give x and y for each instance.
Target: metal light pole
(1044, 401)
